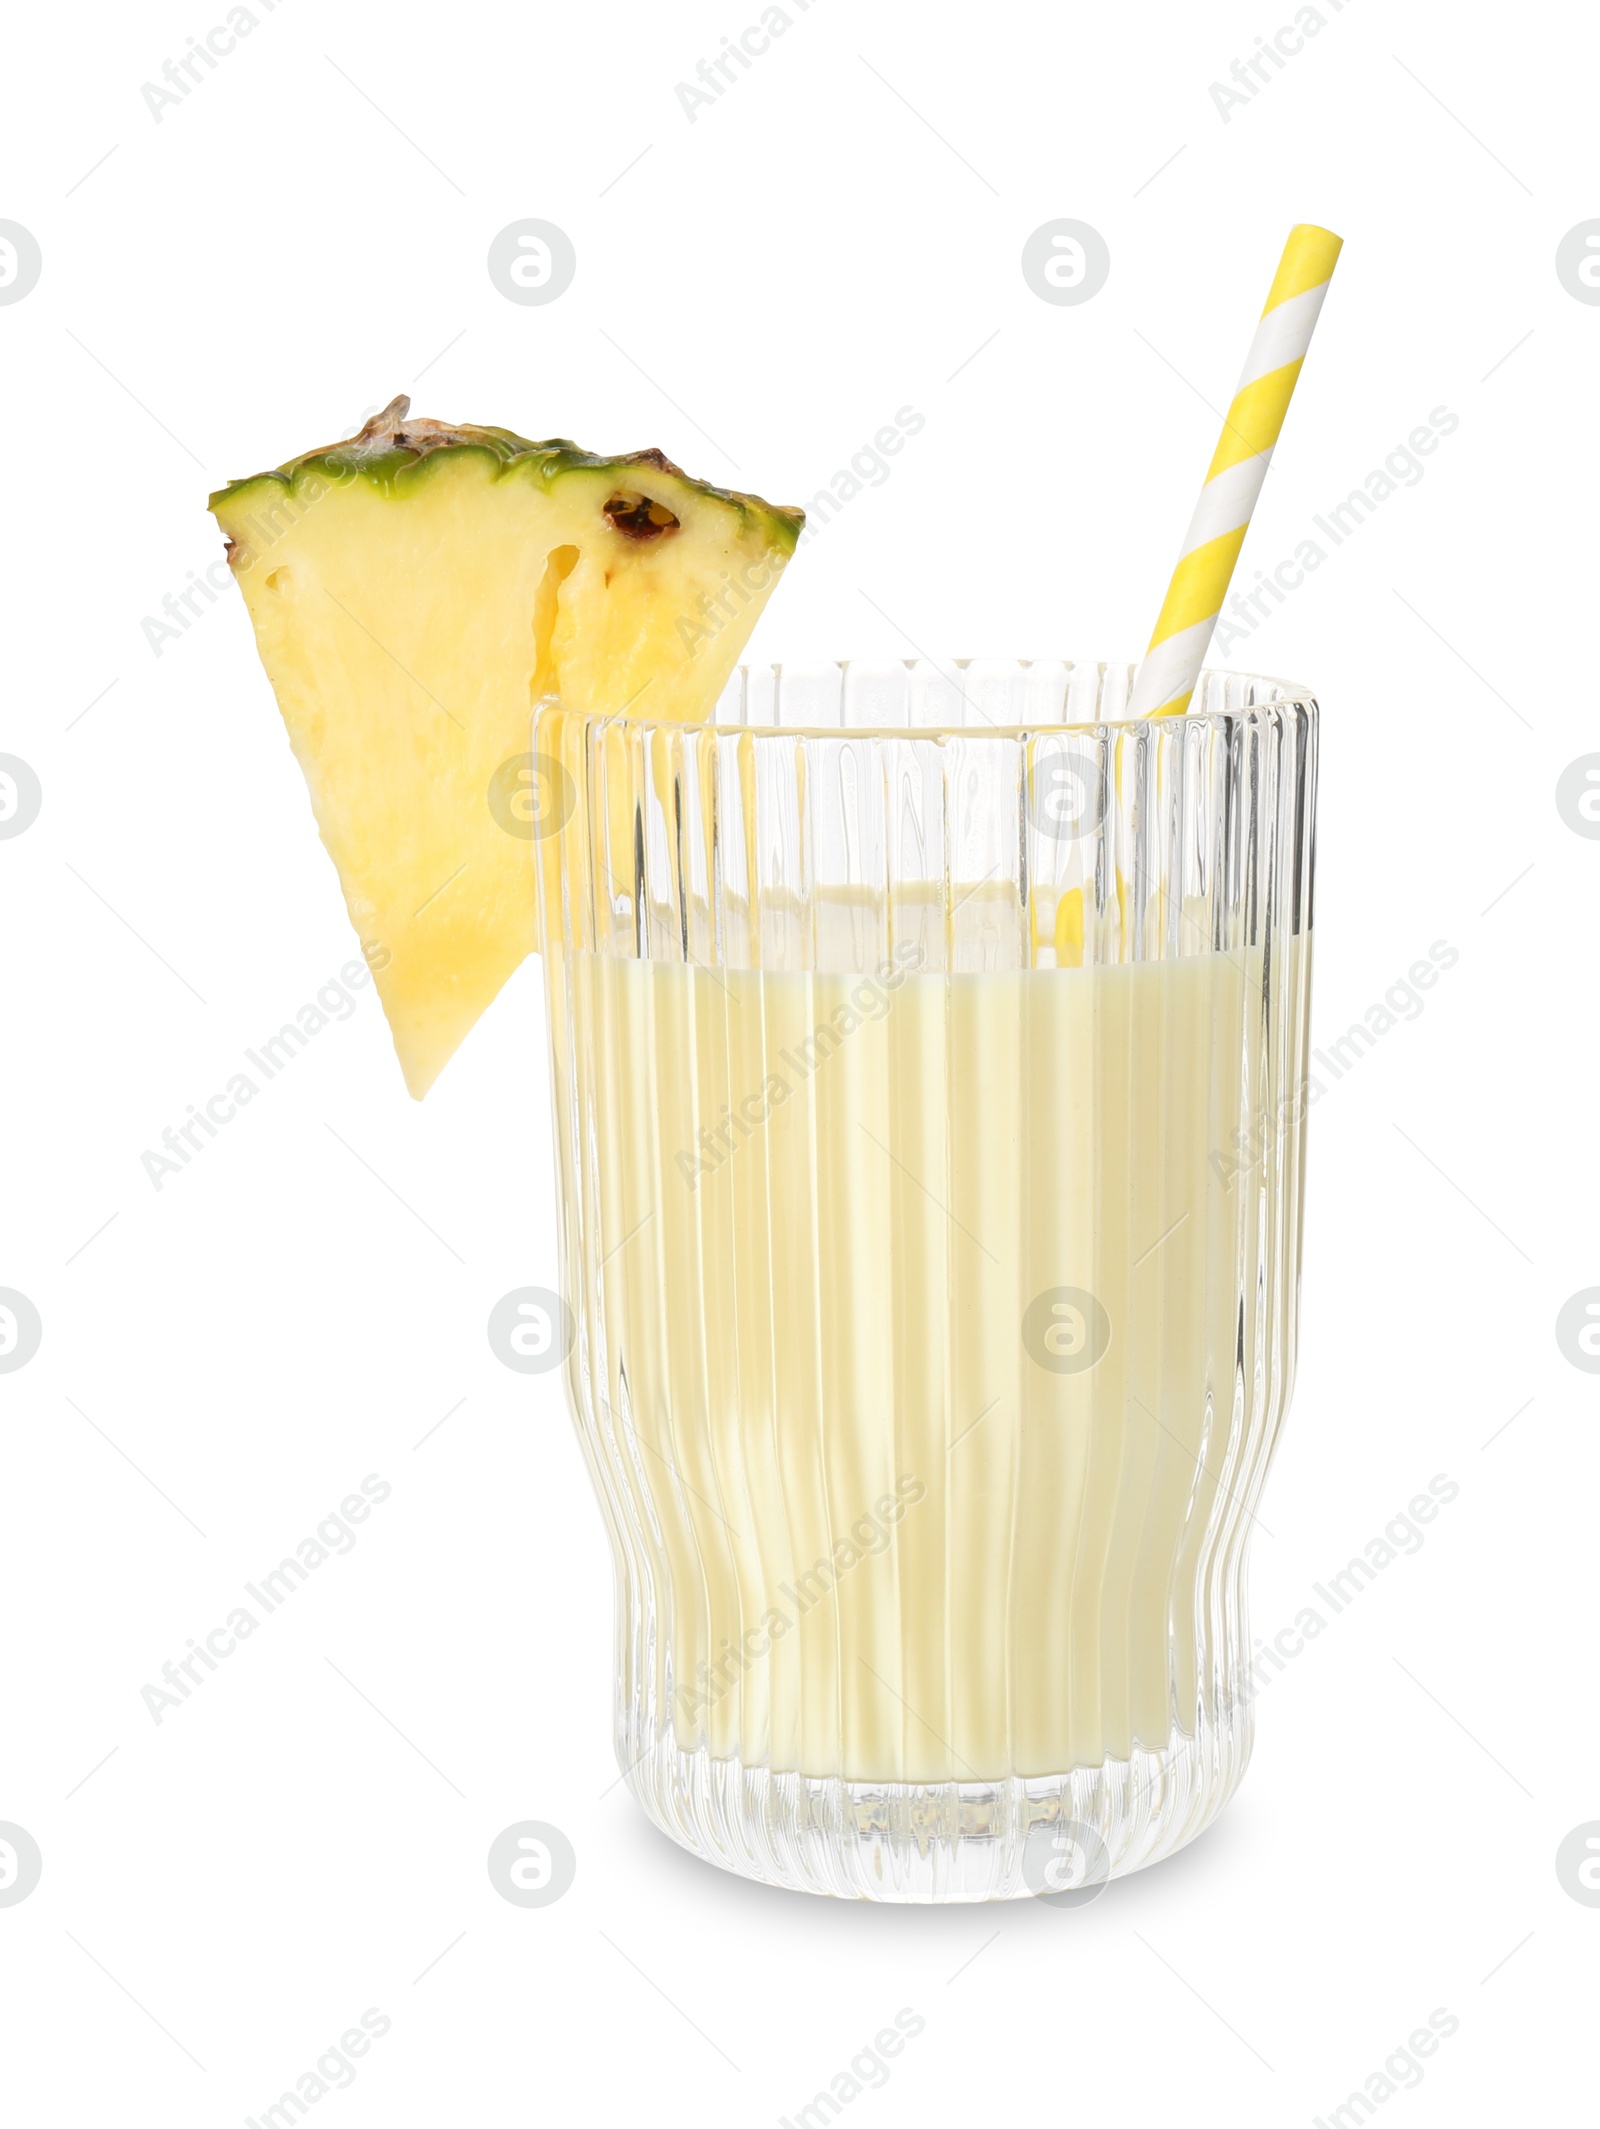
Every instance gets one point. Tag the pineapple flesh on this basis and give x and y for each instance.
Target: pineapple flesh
(415, 592)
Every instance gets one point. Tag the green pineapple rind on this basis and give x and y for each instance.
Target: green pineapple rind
(396, 471)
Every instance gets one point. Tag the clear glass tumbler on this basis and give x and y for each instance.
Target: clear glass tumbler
(928, 1048)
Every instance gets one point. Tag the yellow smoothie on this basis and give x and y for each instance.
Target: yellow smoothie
(870, 1522)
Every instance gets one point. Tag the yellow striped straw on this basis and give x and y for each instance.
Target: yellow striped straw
(1200, 582)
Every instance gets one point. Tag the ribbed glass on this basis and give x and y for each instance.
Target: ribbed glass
(928, 1051)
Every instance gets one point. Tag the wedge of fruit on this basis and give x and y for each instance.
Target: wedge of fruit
(415, 591)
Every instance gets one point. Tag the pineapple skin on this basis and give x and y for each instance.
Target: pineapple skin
(414, 593)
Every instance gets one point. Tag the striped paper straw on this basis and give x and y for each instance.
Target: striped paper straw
(1200, 582)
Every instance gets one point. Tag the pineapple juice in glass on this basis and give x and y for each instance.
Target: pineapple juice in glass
(928, 1053)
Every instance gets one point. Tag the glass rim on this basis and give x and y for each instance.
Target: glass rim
(1275, 693)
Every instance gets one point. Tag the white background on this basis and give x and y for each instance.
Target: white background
(837, 237)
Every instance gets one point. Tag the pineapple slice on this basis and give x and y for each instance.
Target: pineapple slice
(415, 591)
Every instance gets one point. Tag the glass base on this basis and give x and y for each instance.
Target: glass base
(951, 1841)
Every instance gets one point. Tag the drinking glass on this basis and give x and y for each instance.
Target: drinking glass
(928, 1047)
